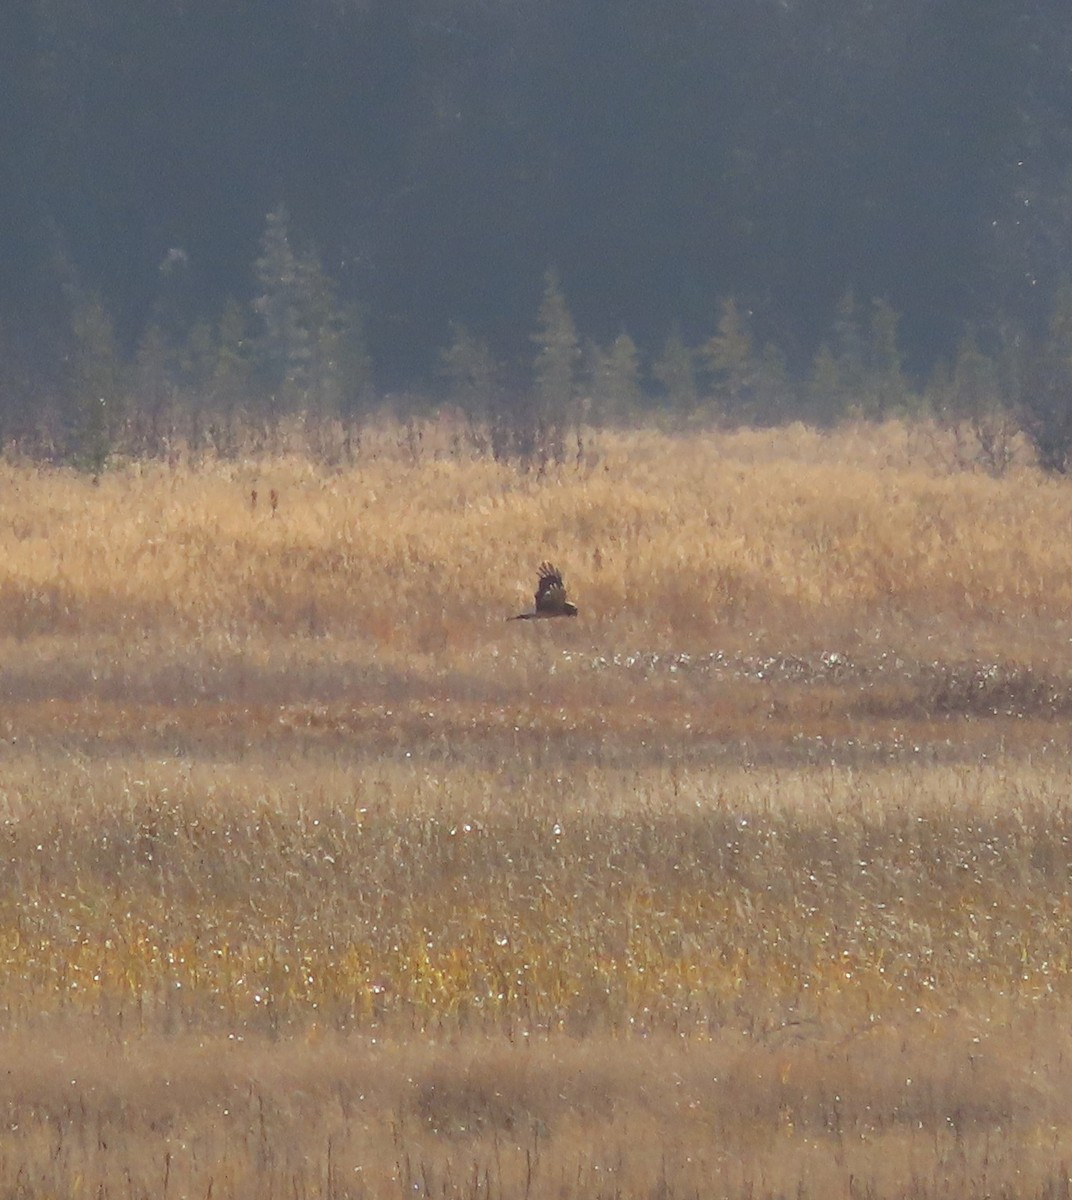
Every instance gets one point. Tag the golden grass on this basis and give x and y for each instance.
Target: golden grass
(320, 878)
(666, 541)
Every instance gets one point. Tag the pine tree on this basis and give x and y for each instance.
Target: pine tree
(174, 310)
(972, 390)
(351, 362)
(197, 361)
(304, 337)
(887, 390)
(614, 380)
(675, 372)
(229, 384)
(730, 357)
(1047, 389)
(473, 379)
(967, 398)
(826, 398)
(774, 397)
(849, 354)
(859, 371)
(471, 373)
(554, 398)
(558, 353)
(95, 385)
(151, 393)
(284, 342)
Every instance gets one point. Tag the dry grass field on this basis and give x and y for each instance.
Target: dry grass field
(322, 879)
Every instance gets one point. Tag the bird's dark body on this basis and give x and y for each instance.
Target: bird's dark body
(550, 597)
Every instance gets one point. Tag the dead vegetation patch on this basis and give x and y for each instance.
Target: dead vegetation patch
(323, 879)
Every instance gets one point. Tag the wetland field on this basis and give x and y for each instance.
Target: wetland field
(320, 878)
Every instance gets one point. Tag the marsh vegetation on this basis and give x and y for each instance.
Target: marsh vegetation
(321, 878)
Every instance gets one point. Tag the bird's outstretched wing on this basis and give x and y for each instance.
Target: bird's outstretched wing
(551, 594)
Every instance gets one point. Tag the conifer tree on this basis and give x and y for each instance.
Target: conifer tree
(350, 361)
(473, 379)
(174, 309)
(554, 397)
(151, 391)
(972, 388)
(859, 370)
(886, 387)
(229, 382)
(967, 399)
(675, 372)
(558, 352)
(774, 398)
(96, 385)
(306, 342)
(282, 306)
(730, 358)
(844, 360)
(197, 361)
(471, 373)
(614, 380)
(826, 398)
(1047, 389)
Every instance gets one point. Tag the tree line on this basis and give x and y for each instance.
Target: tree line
(296, 351)
(779, 206)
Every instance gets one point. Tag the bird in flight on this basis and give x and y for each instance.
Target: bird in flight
(550, 596)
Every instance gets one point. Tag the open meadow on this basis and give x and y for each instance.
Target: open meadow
(322, 879)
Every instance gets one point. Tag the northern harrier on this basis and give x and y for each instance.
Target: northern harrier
(550, 596)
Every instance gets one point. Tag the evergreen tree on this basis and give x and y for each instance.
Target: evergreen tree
(473, 380)
(197, 356)
(350, 361)
(95, 385)
(197, 362)
(614, 380)
(968, 400)
(849, 355)
(1047, 389)
(675, 372)
(887, 391)
(859, 370)
(774, 396)
(469, 369)
(306, 341)
(730, 357)
(554, 397)
(176, 307)
(228, 390)
(151, 392)
(282, 306)
(319, 387)
(471, 373)
(558, 352)
(826, 397)
(972, 387)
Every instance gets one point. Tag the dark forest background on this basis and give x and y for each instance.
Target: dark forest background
(781, 208)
